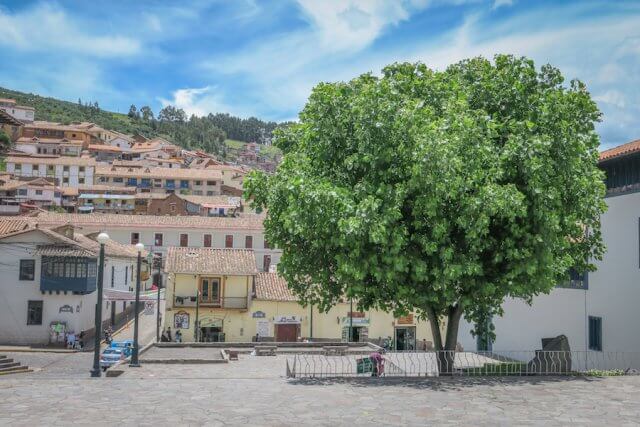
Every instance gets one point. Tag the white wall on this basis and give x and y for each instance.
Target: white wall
(15, 294)
(613, 295)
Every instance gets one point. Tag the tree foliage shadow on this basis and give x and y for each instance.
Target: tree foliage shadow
(444, 384)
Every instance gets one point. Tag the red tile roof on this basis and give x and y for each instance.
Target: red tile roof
(272, 287)
(241, 262)
(621, 150)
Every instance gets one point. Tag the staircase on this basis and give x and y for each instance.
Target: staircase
(8, 366)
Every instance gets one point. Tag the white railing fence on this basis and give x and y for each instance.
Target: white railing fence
(440, 363)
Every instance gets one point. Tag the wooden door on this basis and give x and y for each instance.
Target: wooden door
(286, 332)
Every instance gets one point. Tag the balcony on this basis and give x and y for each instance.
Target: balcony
(68, 273)
(228, 302)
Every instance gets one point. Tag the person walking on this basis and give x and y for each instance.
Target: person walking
(178, 336)
(377, 360)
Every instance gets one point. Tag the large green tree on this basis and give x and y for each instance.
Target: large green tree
(442, 192)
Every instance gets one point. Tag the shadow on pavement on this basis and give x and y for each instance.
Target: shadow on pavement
(443, 383)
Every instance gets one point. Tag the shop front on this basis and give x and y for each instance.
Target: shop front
(405, 333)
(355, 328)
(211, 330)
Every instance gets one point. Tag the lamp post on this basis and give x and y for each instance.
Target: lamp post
(134, 355)
(102, 239)
(351, 320)
(158, 261)
(196, 332)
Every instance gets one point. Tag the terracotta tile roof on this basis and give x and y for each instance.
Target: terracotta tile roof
(8, 226)
(100, 147)
(231, 262)
(10, 184)
(9, 119)
(273, 287)
(111, 248)
(63, 160)
(621, 150)
(63, 251)
(245, 222)
(39, 140)
(161, 173)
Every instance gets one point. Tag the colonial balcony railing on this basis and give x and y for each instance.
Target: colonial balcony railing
(226, 302)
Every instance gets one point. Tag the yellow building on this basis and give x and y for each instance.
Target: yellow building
(221, 290)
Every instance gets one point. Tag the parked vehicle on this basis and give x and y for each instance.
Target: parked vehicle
(125, 345)
(110, 356)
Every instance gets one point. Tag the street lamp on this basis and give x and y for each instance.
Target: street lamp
(134, 355)
(102, 239)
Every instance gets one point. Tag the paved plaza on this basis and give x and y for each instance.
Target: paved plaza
(254, 391)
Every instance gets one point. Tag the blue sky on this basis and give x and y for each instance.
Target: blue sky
(262, 57)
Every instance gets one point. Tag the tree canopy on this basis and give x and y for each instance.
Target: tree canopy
(442, 192)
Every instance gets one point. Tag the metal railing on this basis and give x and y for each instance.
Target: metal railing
(449, 363)
(227, 302)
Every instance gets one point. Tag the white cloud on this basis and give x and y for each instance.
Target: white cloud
(613, 97)
(500, 3)
(200, 101)
(354, 24)
(46, 27)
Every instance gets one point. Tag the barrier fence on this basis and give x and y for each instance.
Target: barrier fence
(450, 363)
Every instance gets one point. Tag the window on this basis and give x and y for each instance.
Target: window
(184, 240)
(210, 193)
(158, 239)
(228, 241)
(22, 192)
(198, 183)
(65, 168)
(184, 183)
(248, 242)
(27, 269)
(34, 313)
(211, 183)
(595, 333)
(65, 180)
(207, 241)
(126, 274)
(135, 238)
(210, 290)
(80, 180)
(172, 207)
(81, 168)
(266, 262)
(36, 168)
(118, 179)
(266, 244)
(113, 276)
(38, 192)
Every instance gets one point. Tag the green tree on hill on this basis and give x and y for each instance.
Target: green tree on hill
(442, 192)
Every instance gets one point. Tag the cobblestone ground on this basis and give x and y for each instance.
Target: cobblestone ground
(253, 391)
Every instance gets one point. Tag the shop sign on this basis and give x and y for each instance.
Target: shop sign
(259, 315)
(356, 321)
(405, 320)
(181, 320)
(287, 319)
(210, 322)
(356, 314)
(66, 309)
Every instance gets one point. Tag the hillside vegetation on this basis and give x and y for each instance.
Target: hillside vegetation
(207, 133)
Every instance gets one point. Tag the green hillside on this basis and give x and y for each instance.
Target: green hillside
(207, 133)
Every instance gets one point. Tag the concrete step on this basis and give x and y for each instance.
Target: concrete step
(9, 366)
(5, 361)
(16, 370)
(2, 356)
(13, 369)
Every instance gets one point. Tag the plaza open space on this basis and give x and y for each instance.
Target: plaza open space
(255, 391)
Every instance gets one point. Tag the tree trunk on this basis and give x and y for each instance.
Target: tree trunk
(445, 354)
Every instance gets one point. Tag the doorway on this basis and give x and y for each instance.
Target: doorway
(405, 338)
(287, 332)
(211, 334)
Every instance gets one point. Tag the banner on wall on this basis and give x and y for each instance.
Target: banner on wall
(287, 319)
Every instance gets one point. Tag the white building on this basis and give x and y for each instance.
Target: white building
(49, 281)
(20, 112)
(158, 233)
(600, 314)
(69, 171)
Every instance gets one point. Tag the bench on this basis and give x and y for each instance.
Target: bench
(335, 350)
(266, 350)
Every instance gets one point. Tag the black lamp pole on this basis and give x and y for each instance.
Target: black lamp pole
(98, 325)
(134, 355)
(159, 263)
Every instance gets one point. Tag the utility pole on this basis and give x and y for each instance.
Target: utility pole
(196, 331)
(102, 239)
(136, 345)
(311, 324)
(159, 264)
(351, 319)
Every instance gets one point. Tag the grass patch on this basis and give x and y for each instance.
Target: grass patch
(507, 368)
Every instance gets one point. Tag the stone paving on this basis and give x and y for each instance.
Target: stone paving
(253, 391)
